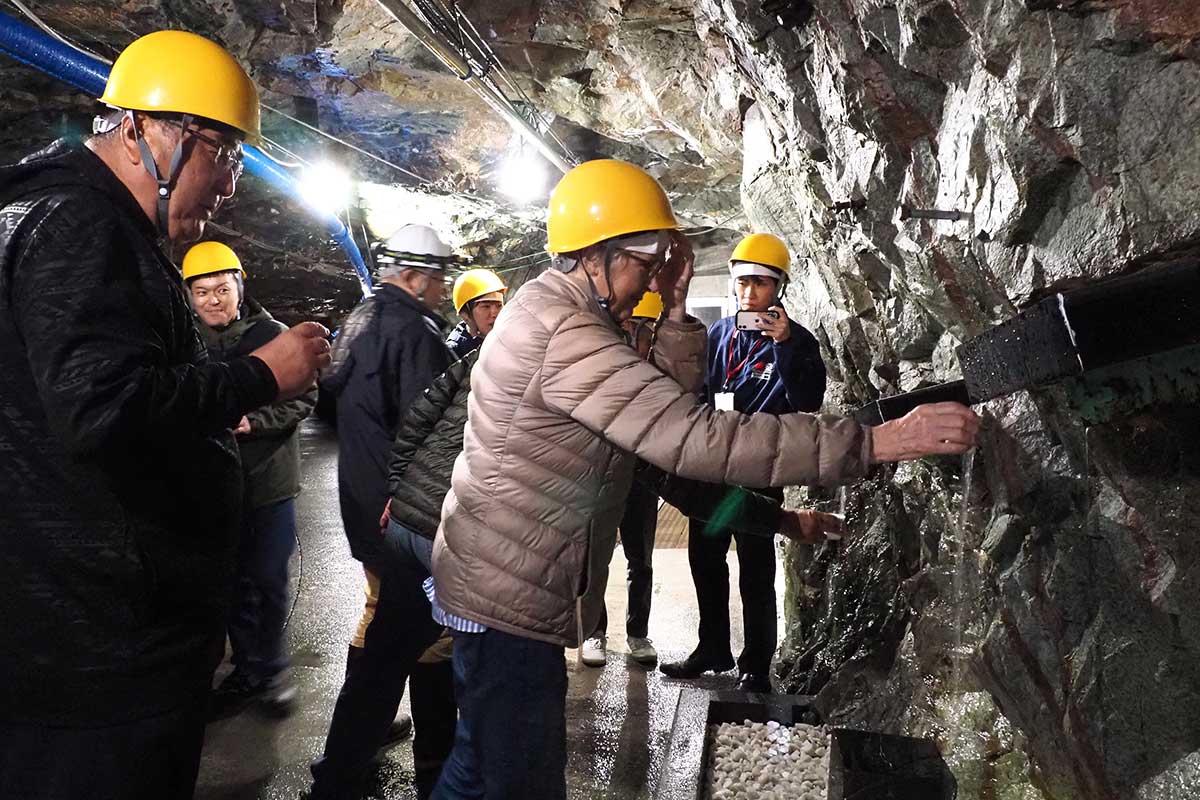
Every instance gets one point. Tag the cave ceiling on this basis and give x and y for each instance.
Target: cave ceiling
(610, 79)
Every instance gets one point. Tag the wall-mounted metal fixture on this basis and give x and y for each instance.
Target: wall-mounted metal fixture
(896, 406)
(857, 204)
(908, 212)
(1067, 334)
(791, 14)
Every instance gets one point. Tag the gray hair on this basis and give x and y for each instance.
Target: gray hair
(564, 262)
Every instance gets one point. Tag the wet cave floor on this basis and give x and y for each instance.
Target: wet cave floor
(618, 717)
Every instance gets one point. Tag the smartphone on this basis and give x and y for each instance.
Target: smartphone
(754, 320)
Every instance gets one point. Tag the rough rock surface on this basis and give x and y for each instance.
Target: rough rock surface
(1049, 639)
(1066, 130)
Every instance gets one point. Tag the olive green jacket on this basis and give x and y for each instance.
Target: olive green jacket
(271, 451)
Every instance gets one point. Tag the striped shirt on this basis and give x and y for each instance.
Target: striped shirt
(445, 618)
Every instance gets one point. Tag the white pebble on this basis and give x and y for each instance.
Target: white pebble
(757, 761)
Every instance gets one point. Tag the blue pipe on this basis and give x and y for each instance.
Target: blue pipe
(262, 167)
(41, 51)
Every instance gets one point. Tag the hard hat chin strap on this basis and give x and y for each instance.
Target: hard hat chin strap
(163, 193)
(602, 302)
(241, 288)
(605, 303)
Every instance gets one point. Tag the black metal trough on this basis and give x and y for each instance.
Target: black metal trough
(1066, 335)
(862, 765)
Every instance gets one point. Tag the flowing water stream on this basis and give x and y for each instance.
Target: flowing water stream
(961, 605)
(962, 608)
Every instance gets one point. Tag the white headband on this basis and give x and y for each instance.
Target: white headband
(744, 269)
(644, 243)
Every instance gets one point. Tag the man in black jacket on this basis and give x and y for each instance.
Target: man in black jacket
(116, 432)
(389, 350)
(233, 325)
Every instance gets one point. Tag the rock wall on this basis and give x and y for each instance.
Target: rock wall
(1052, 616)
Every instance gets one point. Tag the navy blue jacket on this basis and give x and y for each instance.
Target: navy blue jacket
(775, 378)
(461, 341)
(389, 350)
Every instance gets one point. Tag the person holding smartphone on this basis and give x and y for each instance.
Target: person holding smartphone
(758, 361)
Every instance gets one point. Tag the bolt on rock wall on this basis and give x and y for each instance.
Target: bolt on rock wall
(1057, 620)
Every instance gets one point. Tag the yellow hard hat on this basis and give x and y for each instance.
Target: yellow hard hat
(602, 199)
(207, 258)
(650, 306)
(475, 283)
(180, 72)
(764, 249)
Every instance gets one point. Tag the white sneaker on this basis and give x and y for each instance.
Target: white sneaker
(641, 650)
(593, 654)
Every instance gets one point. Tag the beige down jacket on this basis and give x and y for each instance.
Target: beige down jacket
(558, 403)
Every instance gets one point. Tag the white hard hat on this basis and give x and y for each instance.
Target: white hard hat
(415, 246)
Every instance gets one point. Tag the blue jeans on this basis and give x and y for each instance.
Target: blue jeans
(403, 543)
(260, 606)
(511, 740)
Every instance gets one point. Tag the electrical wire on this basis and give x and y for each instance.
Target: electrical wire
(290, 254)
(344, 143)
(297, 159)
(526, 257)
(33, 17)
(546, 258)
(28, 12)
(487, 55)
(482, 52)
(88, 35)
(454, 26)
(716, 227)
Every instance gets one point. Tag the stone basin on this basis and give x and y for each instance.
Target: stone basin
(863, 765)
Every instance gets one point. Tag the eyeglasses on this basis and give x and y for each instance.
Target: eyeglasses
(651, 265)
(226, 156)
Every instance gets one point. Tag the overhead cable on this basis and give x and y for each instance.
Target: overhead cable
(33, 17)
(344, 143)
(461, 65)
(36, 20)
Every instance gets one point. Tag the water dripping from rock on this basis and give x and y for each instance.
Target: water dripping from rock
(961, 654)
